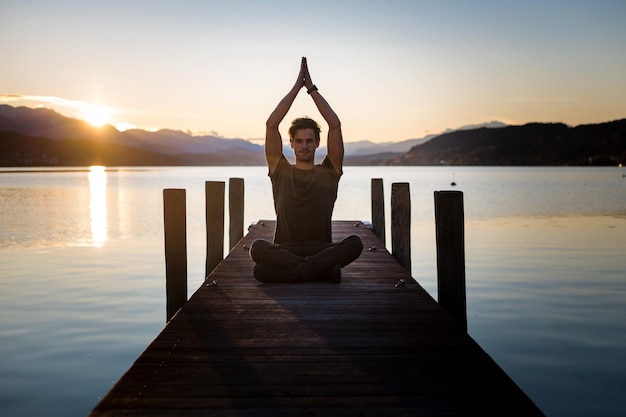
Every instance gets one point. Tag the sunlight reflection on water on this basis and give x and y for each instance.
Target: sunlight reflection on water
(98, 204)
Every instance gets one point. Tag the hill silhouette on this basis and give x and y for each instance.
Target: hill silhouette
(42, 137)
(17, 149)
(32, 137)
(531, 144)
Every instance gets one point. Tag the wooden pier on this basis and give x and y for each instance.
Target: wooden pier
(368, 346)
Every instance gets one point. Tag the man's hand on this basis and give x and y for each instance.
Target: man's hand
(273, 140)
(301, 76)
(334, 148)
(304, 72)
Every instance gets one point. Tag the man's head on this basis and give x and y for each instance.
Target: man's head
(304, 137)
(304, 123)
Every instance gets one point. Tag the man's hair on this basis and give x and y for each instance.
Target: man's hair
(304, 123)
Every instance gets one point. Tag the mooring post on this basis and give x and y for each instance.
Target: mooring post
(378, 209)
(235, 210)
(175, 224)
(401, 223)
(450, 238)
(214, 196)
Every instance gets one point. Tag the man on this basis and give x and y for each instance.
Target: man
(304, 197)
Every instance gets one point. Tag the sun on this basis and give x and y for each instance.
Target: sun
(95, 114)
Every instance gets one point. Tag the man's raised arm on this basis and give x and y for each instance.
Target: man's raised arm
(334, 144)
(273, 140)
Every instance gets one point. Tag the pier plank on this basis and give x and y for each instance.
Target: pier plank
(362, 347)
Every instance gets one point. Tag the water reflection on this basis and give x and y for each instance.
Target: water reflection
(98, 204)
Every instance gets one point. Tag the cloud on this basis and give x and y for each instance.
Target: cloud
(123, 126)
(9, 97)
(41, 101)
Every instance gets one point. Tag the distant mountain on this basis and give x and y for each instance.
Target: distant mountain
(30, 137)
(366, 147)
(46, 123)
(17, 149)
(529, 144)
(180, 148)
(362, 148)
(174, 142)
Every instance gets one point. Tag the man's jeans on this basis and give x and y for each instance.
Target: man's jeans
(301, 261)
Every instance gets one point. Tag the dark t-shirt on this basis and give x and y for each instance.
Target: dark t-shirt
(304, 201)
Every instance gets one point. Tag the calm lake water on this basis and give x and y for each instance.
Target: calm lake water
(82, 273)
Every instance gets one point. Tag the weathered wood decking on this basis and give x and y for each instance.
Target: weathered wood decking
(362, 347)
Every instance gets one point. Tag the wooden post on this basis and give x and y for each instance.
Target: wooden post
(214, 196)
(175, 224)
(401, 224)
(378, 209)
(450, 239)
(235, 210)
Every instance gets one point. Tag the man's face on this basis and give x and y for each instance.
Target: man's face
(304, 145)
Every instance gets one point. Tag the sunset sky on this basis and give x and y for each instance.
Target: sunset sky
(392, 70)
